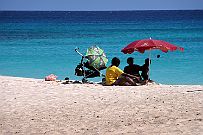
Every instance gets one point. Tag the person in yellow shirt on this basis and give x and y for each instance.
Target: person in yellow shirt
(115, 76)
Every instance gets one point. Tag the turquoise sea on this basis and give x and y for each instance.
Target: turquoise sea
(35, 44)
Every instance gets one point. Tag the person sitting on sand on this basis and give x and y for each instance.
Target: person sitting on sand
(132, 69)
(145, 70)
(115, 76)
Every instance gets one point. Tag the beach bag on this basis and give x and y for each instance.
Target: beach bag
(51, 77)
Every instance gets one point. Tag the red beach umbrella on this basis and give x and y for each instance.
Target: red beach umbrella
(150, 44)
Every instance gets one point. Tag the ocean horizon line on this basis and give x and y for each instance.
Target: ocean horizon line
(101, 10)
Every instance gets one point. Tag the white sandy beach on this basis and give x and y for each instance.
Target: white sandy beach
(33, 106)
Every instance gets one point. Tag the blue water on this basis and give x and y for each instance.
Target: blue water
(35, 44)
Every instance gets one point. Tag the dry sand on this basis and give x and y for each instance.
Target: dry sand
(33, 106)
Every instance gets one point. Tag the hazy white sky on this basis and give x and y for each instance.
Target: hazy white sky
(82, 5)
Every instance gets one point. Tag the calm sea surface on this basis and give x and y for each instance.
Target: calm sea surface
(35, 44)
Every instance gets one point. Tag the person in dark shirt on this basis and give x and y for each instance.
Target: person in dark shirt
(145, 70)
(132, 68)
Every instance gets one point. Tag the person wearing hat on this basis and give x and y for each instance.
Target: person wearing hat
(132, 69)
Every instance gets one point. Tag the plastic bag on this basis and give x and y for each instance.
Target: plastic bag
(51, 77)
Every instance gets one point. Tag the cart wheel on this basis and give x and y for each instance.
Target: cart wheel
(84, 80)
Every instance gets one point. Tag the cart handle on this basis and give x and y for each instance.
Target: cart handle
(76, 49)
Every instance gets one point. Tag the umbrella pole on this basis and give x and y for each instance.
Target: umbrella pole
(149, 61)
(149, 64)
